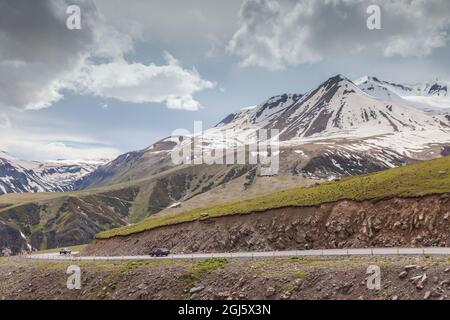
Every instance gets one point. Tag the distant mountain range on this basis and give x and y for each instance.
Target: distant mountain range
(338, 129)
(32, 176)
(338, 108)
(433, 95)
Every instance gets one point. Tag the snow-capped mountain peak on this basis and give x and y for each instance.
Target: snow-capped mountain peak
(333, 130)
(430, 96)
(34, 176)
(259, 115)
(337, 108)
(436, 87)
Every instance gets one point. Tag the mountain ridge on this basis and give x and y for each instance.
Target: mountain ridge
(336, 121)
(50, 176)
(337, 108)
(430, 96)
(335, 129)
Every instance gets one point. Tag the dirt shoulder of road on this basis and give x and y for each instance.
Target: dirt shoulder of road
(341, 278)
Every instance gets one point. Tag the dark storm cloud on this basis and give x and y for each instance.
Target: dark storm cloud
(40, 56)
(37, 50)
(275, 34)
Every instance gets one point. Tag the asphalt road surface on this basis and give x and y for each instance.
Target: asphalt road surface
(238, 255)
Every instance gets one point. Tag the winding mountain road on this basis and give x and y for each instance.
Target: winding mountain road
(243, 255)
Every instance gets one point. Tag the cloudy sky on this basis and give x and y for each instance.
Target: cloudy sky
(137, 70)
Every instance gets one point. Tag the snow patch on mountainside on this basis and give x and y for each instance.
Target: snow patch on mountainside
(18, 176)
(260, 115)
(432, 96)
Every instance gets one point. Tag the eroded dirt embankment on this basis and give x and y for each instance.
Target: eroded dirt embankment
(423, 221)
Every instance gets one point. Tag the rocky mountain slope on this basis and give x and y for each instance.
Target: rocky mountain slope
(338, 129)
(32, 176)
(48, 220)
(336, 109)
(356, 194)
(332, 131)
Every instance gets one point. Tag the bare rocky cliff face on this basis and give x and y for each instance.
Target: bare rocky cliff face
(11, 241)
(393, 222)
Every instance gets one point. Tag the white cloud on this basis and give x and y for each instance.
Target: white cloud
(139, 83)
(276, 34)
(40, 57)
(51, 147)
(57, 150)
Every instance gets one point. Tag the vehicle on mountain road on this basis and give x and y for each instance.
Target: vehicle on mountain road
(65, 252)
(160, 252)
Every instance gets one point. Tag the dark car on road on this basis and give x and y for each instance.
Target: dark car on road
(64, 251)
(160, 252)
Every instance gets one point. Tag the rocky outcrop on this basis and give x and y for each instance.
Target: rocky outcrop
(423, 221)
(11, 241)
(334, 164)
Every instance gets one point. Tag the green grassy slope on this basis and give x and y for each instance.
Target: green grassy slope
(429, 177)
